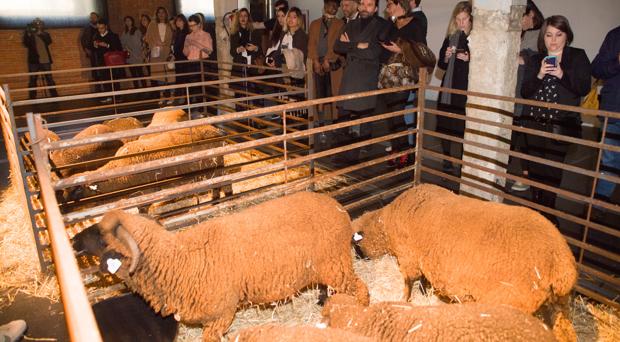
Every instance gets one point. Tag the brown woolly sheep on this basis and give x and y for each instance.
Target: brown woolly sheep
(124, 124)
(262, 254)
(396, 321)
(208, 168)
(471, 250)
(95, 150)
(272, 332)
(165, 118)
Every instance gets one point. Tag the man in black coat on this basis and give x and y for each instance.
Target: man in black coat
(86, 40)
(37, 41)
(360, 42)
(421, 23)
(105, 41)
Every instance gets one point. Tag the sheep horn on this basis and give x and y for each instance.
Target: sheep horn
(129, 242)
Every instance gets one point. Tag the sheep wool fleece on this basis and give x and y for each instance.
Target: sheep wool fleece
(472, 250)
(401, 321)
(272, 332)
(260, 255)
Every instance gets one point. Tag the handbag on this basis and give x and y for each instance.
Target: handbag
(113, 58)
(591, 100)
(396, 73)
(170, 65)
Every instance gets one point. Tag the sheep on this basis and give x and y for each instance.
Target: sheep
(272, 332)
(124, 124)
(95, 150)
(399, 321)
(162, 145)
(472, 250)
(165, 118)
(262, 254)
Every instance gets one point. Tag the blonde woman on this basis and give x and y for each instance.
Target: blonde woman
(244, 41)
(454, 60)
(159, 40)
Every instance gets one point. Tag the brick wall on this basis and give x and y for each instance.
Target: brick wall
(65, 49)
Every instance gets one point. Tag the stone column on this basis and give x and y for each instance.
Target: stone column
(494, 44)
(221, 7)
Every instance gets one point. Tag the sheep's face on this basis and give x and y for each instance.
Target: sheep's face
(113, 259)
(89, 242)
(369, 238)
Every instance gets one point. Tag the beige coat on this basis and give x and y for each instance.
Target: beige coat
(154, 41)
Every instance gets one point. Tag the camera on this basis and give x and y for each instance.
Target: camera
(31, 28)
(270, 60)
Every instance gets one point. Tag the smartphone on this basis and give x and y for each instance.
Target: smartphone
(551, 60)
(461, 50)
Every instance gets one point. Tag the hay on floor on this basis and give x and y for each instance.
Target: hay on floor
(19, 264)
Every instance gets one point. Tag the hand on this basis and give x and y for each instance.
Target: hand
(449, 52)
(392, 47)
(251, 47)
(316, 66)
(345, 38)
(270, 64)
(362, 46)
(544, 69)
(556, 71)
(464, 56)
(326, 67)
(240, 49)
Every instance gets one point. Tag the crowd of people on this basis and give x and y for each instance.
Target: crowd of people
(348, 54)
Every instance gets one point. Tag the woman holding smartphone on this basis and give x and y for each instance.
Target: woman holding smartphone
(557, 74)
(454, 60)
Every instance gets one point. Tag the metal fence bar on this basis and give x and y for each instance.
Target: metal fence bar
(80, 319)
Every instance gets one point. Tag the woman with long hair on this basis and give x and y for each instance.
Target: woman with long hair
(180, 33)
(454, 60)
(245, 49)
(559, 74)
(131, 40)
(159, 39)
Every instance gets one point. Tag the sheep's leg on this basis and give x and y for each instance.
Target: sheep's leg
(351, 285)
(322, 295)
(407, 289)
(214, 330)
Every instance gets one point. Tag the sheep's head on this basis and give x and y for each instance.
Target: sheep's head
(112, 242)
(369, 237)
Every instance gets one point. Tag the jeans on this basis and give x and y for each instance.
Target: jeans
(610, 161)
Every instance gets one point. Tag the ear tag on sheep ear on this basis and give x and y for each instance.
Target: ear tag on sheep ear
(321, 325)
(357, 237)
(177, 317)
(93, 187)
(113, 265)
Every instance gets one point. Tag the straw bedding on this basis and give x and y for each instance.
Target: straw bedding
(19, 271)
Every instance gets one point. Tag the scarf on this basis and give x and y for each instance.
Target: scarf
(446, 98)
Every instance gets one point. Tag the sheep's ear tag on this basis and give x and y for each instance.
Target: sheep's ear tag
(357, 237)
(113, 265)
(93, 187)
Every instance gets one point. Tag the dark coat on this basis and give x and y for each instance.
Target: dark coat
(460, 80)
(31, 45)
(242, 38)
(575, 83)
(606, 66)
(114, 45)
(362, 68)
(420, 24)
(86, 38)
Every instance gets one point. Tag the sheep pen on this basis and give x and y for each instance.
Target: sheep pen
(19, 272)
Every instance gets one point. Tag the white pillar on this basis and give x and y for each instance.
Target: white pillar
(494, 44)
(221, 7)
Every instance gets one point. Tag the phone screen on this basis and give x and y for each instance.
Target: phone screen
(551, 60)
